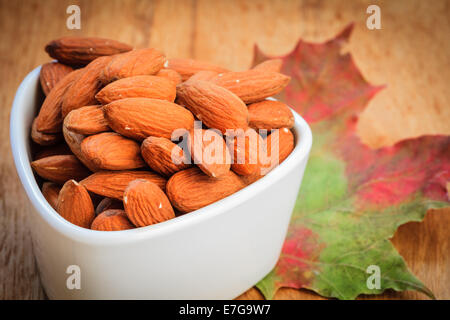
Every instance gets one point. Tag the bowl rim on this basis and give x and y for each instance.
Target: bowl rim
(19, 135)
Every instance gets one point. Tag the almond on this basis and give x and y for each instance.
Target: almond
(216, 106)
(191, 189)
(164, 156)
(146, 204)
(74, 141)
(59, 149)
(111, 151)
(209, 152)
(50, 191)
(205, 75)
(272, 65)
(138, 86)
(269, 115)
(246, 147)
(49, 119)
(75, 204)
(44, 139)
(112, 220)
(170, 74)
(133, 63)
(284, 139)
(188, 67)
(112, 184)
(82, 50)
(83, 90)
(60, 168)
(139, 118)
(252, 85)
(51, 74)
(107, 204)
(87, 120)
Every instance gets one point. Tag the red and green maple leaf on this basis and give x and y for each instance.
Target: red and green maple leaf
(352, 198)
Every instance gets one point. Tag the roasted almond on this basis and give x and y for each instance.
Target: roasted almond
(139, 118)
(246, 145)
(164, 156)
(50, 191)
(188, 67)
(111, 151)
(170, 74)
(279, 144)
(205, 75)
(107, 204)
(74, 141)
(191, 189)
(133, 63)
(75, 204)
(252, 85)
(215, 106)
(271, 65)
(82, 50)
(269, 115)
(83, 90)
(146, 204)
(51, 74)
(87, 120)
(60, 168)
(44, 139)
(138, 87)
(112, 220)
(49, 119)
(209, 152)
(112, 184)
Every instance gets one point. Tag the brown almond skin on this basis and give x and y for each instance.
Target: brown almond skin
(59, 149)
(146, 204)
(204, 75)
(51, 74)
(188, 67)
(139, 118)
(112, 220)
(82, 50)
(83, 90)
(74, 141)
(285, 141)
(269, 115)
(44, 139)
(75, 204)
(271, 65)
(107, 204)
(252, 85)
(191, 189)
(170, 74)
(202, 146)
(138, 86)
(87, 120)
(112, 184)
(133, 63)
(50, 191)
(246, 146)
(158, 153)
(111, 151)
(60, 168)
(49, 119)
(215, 106)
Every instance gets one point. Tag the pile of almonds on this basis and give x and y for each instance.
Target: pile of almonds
(104, 135)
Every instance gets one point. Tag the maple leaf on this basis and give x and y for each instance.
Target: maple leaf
(352, 198)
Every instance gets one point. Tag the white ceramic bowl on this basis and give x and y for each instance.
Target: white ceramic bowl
(216, 252)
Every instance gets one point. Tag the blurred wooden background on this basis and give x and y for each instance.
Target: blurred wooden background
(411, 54)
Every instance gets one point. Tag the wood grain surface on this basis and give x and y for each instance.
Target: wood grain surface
(410, 54)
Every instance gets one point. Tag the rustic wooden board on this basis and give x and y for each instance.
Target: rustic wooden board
(411, 54)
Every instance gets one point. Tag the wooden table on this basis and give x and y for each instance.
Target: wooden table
(411, 54)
